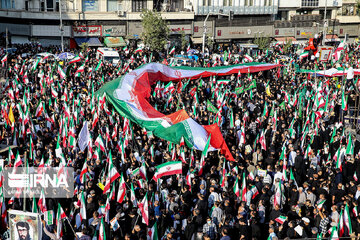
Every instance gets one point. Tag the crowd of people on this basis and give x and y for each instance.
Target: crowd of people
(295, 169)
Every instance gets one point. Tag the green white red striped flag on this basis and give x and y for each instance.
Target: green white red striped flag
(168, 168)
(129, 95)
(350, 146)
(144, 209)
(280, 219)
(102, 235)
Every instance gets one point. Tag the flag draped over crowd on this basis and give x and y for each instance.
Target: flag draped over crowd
(129, 95)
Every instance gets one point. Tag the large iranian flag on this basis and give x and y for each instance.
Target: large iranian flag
(168, 168)
(130, 93)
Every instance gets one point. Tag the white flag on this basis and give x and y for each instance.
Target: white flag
(83, 140)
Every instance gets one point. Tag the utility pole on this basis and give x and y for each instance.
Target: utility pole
(61, 27)
(325, 24)
(230, 15)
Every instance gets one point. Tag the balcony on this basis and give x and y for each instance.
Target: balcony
(241, 10)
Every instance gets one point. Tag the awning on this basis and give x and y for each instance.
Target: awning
(283, 40)
(114, 42)
(332, 38)
(19, 40)
(197, 40)
(91, 41)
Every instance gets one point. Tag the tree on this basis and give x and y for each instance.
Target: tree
(84, 46)
(183, 40)
(210, 41)
(155, 30)
(262, 41)
(287, 45)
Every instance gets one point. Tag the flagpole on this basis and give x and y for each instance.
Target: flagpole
(6, 46)
(24, 198)
(72, 228)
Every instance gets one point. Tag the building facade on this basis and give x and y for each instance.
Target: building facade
(88, 20)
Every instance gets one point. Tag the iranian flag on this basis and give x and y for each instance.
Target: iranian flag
(223, 81)
(98, 66)
(343, 101)
(122, 190)
(100, 143)
(248, 58)
(82, 205)
(4, 60)
(113, 174)
(350, 146)
(347, 220)
(42, 202)
(167, 169)
(75, 60)
(61, 212)
(80, 70)
(61, 72)
(334, 235)
(144, 208)
(83, 172)
(280, 219)
(243, 188)
(172, 51)
(60, 215)
(102, 235)
(130, 93)
(139, 49)
(153, 232)
(39, 109)
(304, 55)
(262, 141)
(236, 187)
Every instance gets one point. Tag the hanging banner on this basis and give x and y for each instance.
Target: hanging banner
(24, 225)
(325, 54)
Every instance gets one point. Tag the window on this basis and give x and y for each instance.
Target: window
(42, 6)
(112, 5)
(7, 4)
(349, 10)
(309, 3)
(90, 5)
(50, 5)
(138, 5)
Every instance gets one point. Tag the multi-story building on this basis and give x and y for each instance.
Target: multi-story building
(95, 20)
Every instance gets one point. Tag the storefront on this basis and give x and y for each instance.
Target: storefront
(88, 34)
(48, 35)
(113, 35)
(242, 34)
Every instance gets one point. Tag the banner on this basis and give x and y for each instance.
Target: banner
(24, 225)
(83, 139)
(130, 93)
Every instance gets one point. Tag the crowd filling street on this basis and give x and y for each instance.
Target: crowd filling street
(292, 174)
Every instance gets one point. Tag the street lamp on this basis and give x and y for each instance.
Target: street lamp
(325, 24)
(61, 27)
(230, 15)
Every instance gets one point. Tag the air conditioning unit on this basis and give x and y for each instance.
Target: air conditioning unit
(120, 13)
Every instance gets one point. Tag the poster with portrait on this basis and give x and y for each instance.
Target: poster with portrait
(24, 225)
